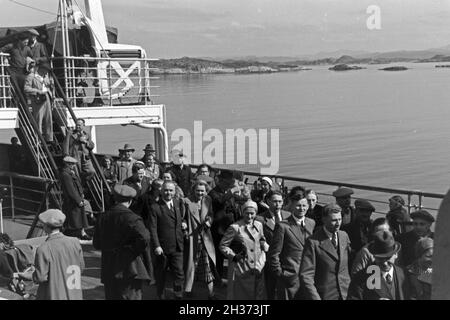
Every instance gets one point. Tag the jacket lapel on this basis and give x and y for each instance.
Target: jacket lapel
(252, 231)
(165, 209)
(342, 245)
(327, 246)
(296, 230)
(399, 280)
(195, 211)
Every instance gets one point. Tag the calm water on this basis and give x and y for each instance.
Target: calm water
(366, 126)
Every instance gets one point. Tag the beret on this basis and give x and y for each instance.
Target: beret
(342, 192)
(398, 199)
(268, 180)
(364, 204)
(331, 208)
(124, 191)
(423, 214)
(53, 217)
(249, 204)
(70, 160)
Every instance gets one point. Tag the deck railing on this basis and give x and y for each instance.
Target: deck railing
(378, 196)
(5, 84)
(96, 82)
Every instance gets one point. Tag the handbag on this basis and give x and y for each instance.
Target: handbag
(41, 98)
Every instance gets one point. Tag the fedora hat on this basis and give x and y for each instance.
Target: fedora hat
(149, 147)
(33, 32)
(384, 245)
(127, 147)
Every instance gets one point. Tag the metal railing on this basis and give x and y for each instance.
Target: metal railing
(5, 86)
(90, 81)
(98, 182)
(379, 196)
(35, 141)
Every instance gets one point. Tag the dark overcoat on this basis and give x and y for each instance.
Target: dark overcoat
(72, 196)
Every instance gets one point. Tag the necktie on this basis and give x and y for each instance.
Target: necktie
(388, 279)
(334, 240)
(277, 217)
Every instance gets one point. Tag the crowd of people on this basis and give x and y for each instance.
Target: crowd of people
(164, 218)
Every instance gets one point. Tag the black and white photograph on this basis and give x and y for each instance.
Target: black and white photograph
(210, 152)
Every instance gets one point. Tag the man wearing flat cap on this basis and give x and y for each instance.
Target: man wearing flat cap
(58, 261)
(343, 200)
(382, 280)
(422, 221)
(359, 229)
(124, 240)
(124, 166)
(73, 200)
(39, 52)
(324, 272)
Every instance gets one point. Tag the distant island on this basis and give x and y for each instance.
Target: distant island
(442, 66)
(341, 60)
(344, 67)
(396, 68)
(188, 65)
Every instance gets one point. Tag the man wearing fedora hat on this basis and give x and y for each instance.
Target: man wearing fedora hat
(124, 240)
(149, 151)
(58, 261)
(124, 166)
(422, 222)
(382, 280)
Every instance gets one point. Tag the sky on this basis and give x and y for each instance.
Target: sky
(234, 28)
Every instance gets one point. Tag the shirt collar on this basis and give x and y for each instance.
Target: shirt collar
(390, 272)
(300, 222)
(168, 202)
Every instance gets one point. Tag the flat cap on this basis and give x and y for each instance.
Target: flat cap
(423, 214)
(364, 205)
(70, 160)
(124, 192)
(33, 32)
(53, 217)
(331, 208)
(249, 205)
(342, 192)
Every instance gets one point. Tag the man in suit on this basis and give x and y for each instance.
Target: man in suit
(124, 165)
(183, 173)
(286, 249)
(167, 228)
(315, 210)
(344, 200)
(324, 273)
(383, 280)
(269, 219)
(73, 200)
(125, 244)
(139, 182)
(359, 230)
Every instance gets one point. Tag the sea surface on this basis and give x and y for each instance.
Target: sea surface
(387, 129)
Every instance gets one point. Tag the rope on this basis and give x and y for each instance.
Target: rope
(31, 7)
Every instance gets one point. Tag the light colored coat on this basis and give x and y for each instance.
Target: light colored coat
(59, 263)
(245, 280)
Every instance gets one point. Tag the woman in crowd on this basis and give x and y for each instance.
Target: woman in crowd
(152, 169)
(201, 258)
(245, 247)
(109, 170)
(420, 271)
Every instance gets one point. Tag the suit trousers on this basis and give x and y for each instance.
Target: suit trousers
(42, 113)
(271, 283)
(174, 262)
(119, 289)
